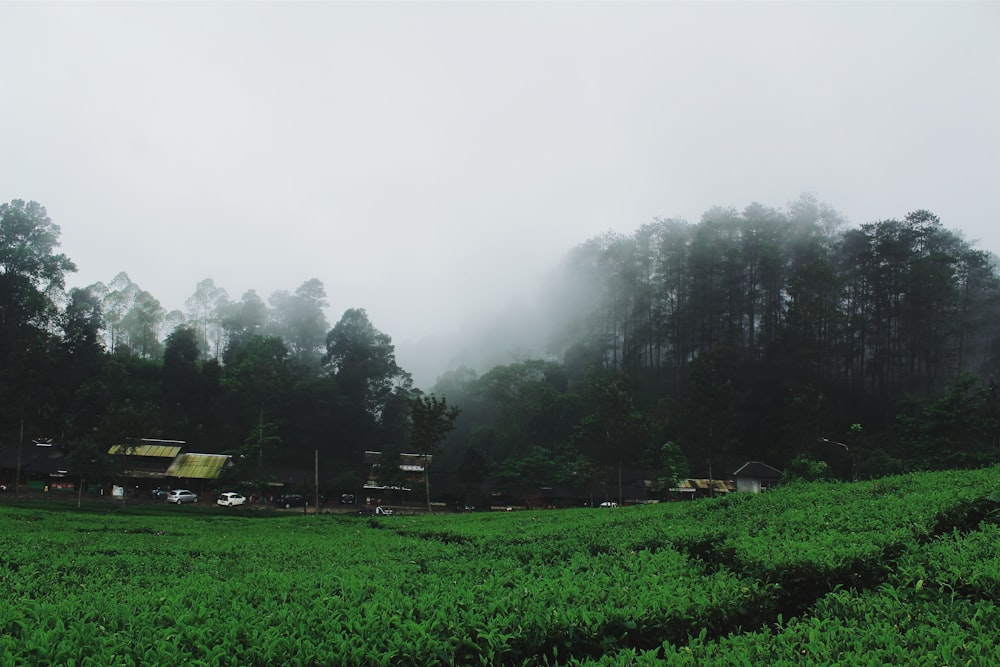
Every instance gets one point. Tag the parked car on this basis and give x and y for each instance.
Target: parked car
(231, 499)
(292, 500)
(159, 493)
(609, 503)
(182, 496)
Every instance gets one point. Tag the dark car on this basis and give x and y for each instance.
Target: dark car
(292, 500)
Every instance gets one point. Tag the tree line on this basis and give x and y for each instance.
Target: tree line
(776, 335)
(681, 349)
(269, 383)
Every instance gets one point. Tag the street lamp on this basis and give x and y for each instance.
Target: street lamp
(854, 467)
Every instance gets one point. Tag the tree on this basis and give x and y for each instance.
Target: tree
(712, 402)
(80, 357)
(29, 267)
(116, 300)
(431, 420)
(242, 320)
(814, 321)
(673, 466)
(262, 437)
(141, 325)
(88, 461)
(804, 469)
(30, 273)
(257, 369)
(205, 308)
(363, 360)
(473, 469)
(579, 470)
(958, 430)
(612, 430)
(299, 319)
(389, 472)
(257, 376)
(132, 317)
(180, 373)
(81, 325)
(534, 468)
(173, 320)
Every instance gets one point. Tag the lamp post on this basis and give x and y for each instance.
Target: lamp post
(854, 467)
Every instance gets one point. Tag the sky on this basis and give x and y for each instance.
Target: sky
(432, 162)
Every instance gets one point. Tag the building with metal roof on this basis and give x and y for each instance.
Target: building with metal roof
(754, 477)
(198, 466)
(154, 458)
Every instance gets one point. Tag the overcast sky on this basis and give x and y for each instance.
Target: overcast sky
(431, 161)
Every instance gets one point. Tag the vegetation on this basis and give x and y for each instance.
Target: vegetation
(756, 335)
(901, 570)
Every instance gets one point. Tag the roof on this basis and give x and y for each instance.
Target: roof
(716, 485)
(198, 466)
(758, 470)
(154, 450)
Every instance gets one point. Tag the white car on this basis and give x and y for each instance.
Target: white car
(182, 496)
(231, 499)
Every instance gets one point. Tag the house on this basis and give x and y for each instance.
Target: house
(754, 477)
(148, 458)
(162, 459)
(411, 474)
(42, 464)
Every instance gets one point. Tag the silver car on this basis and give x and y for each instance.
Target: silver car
(182, 496)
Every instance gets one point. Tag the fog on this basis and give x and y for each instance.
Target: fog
(433, 162)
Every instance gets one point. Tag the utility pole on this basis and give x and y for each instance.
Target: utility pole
(260, 439)
(427, 481)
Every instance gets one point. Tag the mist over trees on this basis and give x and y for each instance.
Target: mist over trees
(682, 348)
(756, 334)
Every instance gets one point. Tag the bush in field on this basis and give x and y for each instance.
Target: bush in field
(804, 469)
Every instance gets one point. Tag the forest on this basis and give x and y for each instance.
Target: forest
(682, 349)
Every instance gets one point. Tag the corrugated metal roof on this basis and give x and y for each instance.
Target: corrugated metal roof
(198, 466)
(718, 485)
(165, 451)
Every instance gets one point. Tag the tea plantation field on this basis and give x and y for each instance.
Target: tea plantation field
(902, 570)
